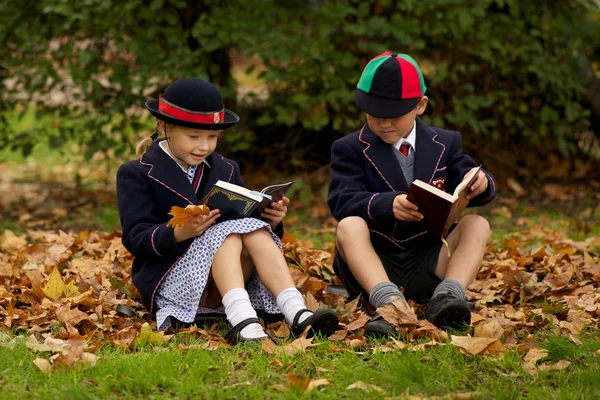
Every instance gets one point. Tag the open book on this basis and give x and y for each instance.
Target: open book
(440, 209)
(236, 201)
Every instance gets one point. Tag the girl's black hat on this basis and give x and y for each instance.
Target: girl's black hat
(193, 103)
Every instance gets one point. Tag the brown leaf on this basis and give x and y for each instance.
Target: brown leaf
(398, 313)
(311, 303)
(12, 243)
(534, 355)
(182, 215)
(360, 322)
(43, 364)
(476, 345)
(71, 316)
(338, 335)
(304, 384)
(367, 387)
(558, 366)
(489, 329)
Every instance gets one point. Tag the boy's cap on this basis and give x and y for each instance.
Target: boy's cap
(193, 103)
(390, 86)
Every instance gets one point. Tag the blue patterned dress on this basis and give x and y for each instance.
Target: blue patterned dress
(181, 290)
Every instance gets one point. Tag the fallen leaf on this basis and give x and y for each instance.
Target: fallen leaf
(489, 329)
(55, 287)
(360, 322)
(477, 345)
(367, 387)
(558, 366)
(399, 313)
(42, 364)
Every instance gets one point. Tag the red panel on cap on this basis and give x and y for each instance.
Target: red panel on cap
(411, 84)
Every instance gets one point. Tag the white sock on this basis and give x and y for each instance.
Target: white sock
(290, 301)
(238, 308)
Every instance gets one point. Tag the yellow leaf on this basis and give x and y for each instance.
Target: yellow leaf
(71, 289)
(55, 287)
(148, 337)
(182, 215)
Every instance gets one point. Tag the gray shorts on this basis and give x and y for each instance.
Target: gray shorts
(411, 269)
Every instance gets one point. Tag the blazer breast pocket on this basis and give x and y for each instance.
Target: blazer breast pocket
(439, 179)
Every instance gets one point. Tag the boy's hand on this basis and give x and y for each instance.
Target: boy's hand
(479, 186)
(404, 210)
(275, 213)
(196, 226)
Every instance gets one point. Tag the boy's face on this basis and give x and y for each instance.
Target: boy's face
(390, 130)
(191, 145)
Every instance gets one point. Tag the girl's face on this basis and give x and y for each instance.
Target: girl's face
(190, 146)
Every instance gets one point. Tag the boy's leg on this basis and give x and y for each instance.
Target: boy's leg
(273, 271)
(353, 243)
(228, 276)
(467, 243)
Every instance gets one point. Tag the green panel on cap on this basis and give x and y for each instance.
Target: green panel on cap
(408, 58)
(366, 79)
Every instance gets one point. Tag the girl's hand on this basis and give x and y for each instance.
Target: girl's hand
(275, 213)
(479, 186)
(404, 210)
(196, 226)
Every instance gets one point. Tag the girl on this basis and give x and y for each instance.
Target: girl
(193, 269)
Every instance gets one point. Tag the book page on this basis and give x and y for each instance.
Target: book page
(251, 194)
(468, 180)
(277, 191)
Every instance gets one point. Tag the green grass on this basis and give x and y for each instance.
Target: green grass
(249, 373)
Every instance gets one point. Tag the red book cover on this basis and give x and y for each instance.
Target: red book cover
(440, 209)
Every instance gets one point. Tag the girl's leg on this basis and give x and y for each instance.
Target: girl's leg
(273, 271)
(229, 278)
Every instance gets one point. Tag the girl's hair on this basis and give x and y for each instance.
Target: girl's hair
(145, 143)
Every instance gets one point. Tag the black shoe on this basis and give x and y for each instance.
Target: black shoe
(234, 337)
(446, 311)
(379, 327)
(324, 322)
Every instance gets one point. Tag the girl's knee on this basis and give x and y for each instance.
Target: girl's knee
(351, 228)
(233, 238)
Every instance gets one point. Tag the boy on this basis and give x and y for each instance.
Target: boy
(380, 245)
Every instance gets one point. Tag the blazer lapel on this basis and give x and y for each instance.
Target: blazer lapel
(428, 152)
(219, 170)
(168, 173)
(381, 156)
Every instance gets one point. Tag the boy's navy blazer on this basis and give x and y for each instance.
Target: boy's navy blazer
(366, 177)
(146, 190)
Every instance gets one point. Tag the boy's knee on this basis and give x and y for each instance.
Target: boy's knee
(478, 224)
(351, 228)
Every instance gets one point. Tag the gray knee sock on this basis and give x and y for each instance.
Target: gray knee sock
(382, 293)
(450, 286)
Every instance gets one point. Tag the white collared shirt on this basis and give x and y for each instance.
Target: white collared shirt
(411, 139)
(187, 171)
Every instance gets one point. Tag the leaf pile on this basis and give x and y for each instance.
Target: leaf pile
(64, 289)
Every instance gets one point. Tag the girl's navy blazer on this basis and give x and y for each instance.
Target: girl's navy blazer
(366, 177)
(146, 190)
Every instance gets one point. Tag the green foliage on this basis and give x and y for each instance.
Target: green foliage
(495, 68)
